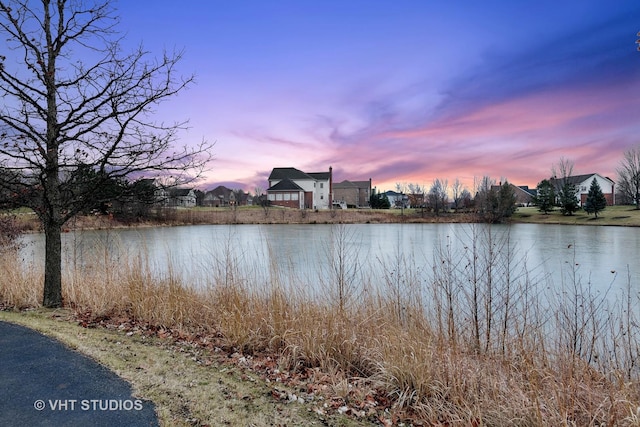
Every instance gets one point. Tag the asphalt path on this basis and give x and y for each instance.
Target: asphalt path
(44, 383)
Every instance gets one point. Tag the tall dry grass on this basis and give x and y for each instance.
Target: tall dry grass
(471, 339)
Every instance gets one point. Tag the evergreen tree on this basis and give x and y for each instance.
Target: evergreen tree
(495, 203)
(486, 200)
(568, 199)
(596, 201)
(545, 196)
(506, 201)
(379, 201)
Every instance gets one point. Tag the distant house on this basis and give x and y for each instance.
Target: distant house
(222, 196)
(219, 197)
(181, 197)
(166, 196)
(398, 200)
(352, 193)
(582, 184)
(416, 200)
(290, 187)
(524, 195)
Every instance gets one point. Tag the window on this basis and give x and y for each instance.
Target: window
(294, 196)
(287, 196)
(279, 196)
(322, 185)
(272, 197)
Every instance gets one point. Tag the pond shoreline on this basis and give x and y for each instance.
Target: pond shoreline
(626, 216)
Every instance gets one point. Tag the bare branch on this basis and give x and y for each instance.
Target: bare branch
(68, 125)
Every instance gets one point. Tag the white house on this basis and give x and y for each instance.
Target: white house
(293, 188)
(398, 200)
(182, 197)
(582, 184)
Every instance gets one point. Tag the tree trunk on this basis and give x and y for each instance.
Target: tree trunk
(52, 295)
(52, 222)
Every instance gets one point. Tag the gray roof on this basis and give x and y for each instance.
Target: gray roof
(180, 192)
(575, 179)
(285, 185)
(288, 173)
(351, 184)
(319, 175)
(220, 190)
(296, 174)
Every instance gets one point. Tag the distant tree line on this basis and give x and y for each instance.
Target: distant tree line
(85, 190)
(492, 203)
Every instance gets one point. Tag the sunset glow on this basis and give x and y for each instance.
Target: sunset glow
(401, 92)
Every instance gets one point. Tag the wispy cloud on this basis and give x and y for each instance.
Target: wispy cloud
(404, 94)
(514, 115)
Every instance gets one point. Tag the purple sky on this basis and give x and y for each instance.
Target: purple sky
(401, 91)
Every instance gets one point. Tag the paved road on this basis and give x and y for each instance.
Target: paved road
(44, 383)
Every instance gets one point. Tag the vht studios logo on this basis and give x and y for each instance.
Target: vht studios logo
(88, 405)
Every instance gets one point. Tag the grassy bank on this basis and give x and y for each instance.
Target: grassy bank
(472, 339)
(626, 216)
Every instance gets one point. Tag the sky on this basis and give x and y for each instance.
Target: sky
(403, 91)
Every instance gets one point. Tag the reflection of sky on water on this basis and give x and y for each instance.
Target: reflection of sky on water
(304, 256)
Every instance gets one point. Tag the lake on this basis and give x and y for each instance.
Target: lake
(602, 258)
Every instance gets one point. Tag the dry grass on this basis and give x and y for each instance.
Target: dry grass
(391, 348)
(251, 215)
(188, 385)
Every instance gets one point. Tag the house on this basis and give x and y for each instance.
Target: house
(582, 184)
(222, 196)
(171, 197)
(181, 197)
(524, 195)
(416, 200)
(290, 187)
(397, 200)
(218, 197)
(352, 193)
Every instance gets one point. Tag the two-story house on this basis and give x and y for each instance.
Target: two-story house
(290, 187)
(352, 193)
(582, 183)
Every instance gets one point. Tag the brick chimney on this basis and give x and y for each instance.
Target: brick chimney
(330, 187)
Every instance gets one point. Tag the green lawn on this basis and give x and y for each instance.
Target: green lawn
(612, 215)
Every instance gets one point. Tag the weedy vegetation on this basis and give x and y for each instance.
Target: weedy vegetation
(474, 336)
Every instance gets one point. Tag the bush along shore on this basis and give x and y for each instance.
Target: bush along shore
(472, 339)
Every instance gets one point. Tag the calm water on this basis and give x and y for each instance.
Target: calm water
(604, 257)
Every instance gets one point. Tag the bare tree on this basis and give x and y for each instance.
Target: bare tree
(73, 100)
(343, 266)
(563, 169)
(458, 193)
(437, 197)
(486, 200)
(401, 187)
(495, 203)
(416, 195)
(629, 175)
(563, 186)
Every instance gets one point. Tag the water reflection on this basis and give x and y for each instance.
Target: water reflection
(303, 255)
